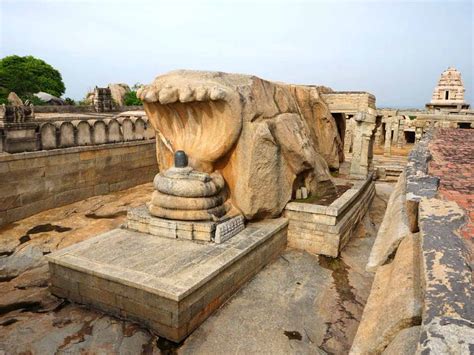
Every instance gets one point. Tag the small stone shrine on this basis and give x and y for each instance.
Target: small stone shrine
(18, 133)
(102, 100)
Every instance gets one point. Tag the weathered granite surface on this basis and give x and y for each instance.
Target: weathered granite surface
(446, 323)
(405, 342)
(448, 314)
(256, 133)
(270, 307)
(394, 227)
(418, 183)
(395, 300)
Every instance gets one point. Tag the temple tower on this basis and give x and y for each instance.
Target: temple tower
(449, 93)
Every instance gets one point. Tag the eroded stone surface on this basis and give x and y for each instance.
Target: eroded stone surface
(118, 92)
(299, 304)
(393, 229)
(448, 312)
(395, 300)
(405, 342)
(298, 277)
(33, 320)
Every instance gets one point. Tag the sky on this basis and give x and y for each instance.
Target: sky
(395, 50)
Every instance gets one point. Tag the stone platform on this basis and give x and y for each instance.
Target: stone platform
(168, 285)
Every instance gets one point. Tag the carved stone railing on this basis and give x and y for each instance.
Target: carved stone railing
(64, 134)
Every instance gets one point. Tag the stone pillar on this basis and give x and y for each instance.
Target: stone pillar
(388, 137)
(418, 134)
(395, 127)
(419, 126)
(401, 134)
(378, 136)
(348, 136)
(364, 136)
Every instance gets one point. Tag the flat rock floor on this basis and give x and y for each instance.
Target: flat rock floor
(300, 303)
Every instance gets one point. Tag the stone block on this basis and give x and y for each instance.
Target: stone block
(70, 196)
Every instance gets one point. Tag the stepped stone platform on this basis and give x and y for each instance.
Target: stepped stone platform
(169, 285)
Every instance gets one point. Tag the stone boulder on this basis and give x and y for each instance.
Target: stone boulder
(266, 139)
(393, 229)
(405, 342)
(395, 302)
(118, 92)
(14, 99)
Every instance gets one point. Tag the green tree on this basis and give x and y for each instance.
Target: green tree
(131, 99)
(28, 75)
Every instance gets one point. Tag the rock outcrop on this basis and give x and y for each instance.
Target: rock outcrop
(266, 139)
(393, 229)
(118, 92)
(395, 300)
(14, 99)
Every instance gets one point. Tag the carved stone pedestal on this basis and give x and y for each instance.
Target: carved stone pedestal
(140, 220)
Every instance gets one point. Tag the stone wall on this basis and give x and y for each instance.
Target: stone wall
(37, 181)
(421, 297)
(349, 102)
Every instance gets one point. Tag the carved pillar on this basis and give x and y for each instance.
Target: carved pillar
(378, 136)
(395, 127)
(348, 136)
(419, 125)
(364, 136)
(401, 134)
(388, 137)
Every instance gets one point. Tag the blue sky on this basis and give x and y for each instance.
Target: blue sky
(393, 49)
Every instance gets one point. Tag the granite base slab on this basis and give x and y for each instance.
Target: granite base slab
(168, 285)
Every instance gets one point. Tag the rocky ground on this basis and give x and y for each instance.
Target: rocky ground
(301, 303)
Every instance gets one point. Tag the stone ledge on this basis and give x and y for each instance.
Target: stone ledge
(418, 183)
(447, 277)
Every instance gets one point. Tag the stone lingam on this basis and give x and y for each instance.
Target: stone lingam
(188, 204)
(182, 193)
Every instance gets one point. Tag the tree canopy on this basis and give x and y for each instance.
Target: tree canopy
(28, 75)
